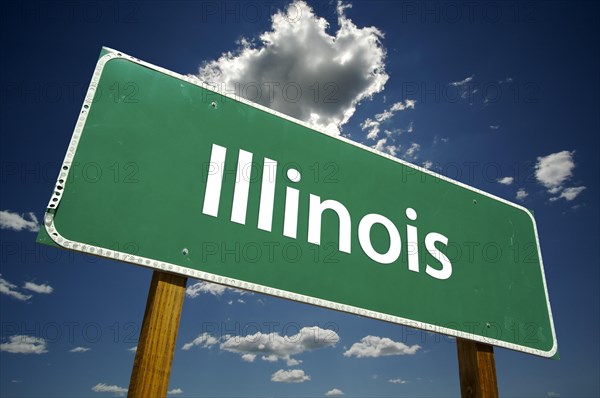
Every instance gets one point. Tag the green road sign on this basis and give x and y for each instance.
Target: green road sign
(164, 172)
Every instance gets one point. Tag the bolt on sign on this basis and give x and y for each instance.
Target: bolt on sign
(165, 172)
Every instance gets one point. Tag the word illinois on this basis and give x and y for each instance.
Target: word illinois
(317, 206)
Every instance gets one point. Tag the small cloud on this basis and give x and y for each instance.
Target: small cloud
(21, 344)
(11, 290)
(17, 222)
(569, 194)
(374, 347)
(522, 194)
(248, 357)
(101, 387)
(16, 381)
(397, 381)
(289, 376)
(175, 391)
(495, 126)
(553, 394)
(373, 126)
(335, 392)
(428, 164)
(411, 152)
(554, 170)
(382, 147)
(293, 362)
(506, 180)
(199, 288)
(437, 139)
(80, 349)
(506, 80)
(41, 289)
(463, 81)
(204, 340)
(132, 349)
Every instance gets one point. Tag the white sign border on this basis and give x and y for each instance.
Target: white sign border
(234, 283)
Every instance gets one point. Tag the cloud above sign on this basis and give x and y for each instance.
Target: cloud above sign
(301, 70)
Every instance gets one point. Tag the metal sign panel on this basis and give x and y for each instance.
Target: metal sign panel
(165, 172)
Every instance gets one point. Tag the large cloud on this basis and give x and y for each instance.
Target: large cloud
(271, 347)
(300, 69)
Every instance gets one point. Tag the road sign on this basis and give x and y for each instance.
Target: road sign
(165, 172)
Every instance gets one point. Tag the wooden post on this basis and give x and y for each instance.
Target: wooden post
(156, 346)
(477, 370)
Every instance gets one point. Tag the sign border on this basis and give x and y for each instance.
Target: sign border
(238, 284)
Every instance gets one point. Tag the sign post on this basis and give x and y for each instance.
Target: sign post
(165, 172)
(477, 369)
(156, 345)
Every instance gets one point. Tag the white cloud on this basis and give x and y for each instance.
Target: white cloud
(398, 106)
(506, 180)
(271, 347)
(17, 222)
(462, 82)
(199, 288)
(373, 126)
(398, 381)
(389, 149)
(101, 387)
(175, 391)
(80, 349)
(290, 376)
(495, 126)
(132, 349)
(21, 344)
(293, 362)
(204, 340)
(332, 73)
(196, 289)
(10, 290)
(522, 194)
(41, 289)
(335, 392)
(554, 170)
(569, 194)
(248, 357)
(374, 347)
(553, 394)
(411, 152)
(428, 164)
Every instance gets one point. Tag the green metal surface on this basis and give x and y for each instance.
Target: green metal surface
(138, 181)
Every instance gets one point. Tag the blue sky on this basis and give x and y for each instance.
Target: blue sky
(501, 96)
